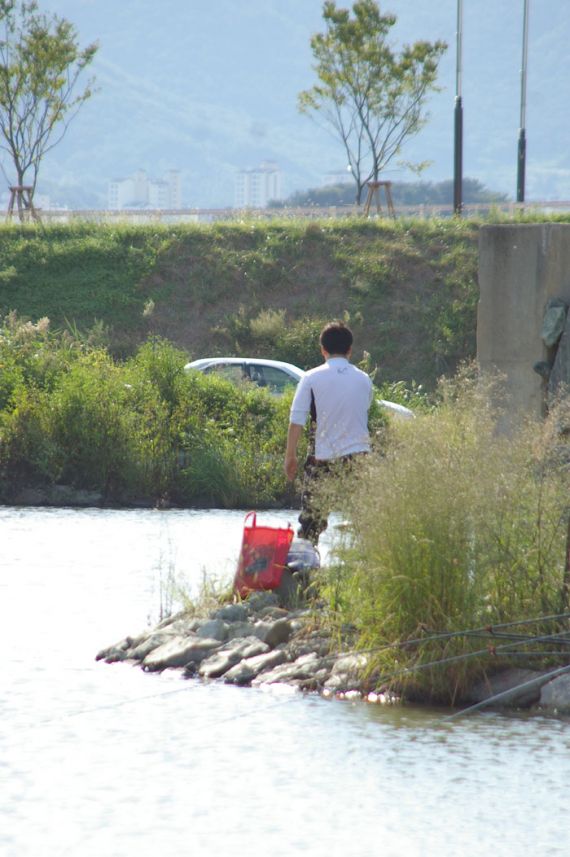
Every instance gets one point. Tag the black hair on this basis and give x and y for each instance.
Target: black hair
(336, 338)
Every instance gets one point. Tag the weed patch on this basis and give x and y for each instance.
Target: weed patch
(454, 526)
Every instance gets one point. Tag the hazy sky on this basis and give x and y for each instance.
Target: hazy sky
(210, 87)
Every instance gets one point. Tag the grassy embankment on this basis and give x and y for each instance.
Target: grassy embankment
(409, 288)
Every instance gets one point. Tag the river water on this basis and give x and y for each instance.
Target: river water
(101, 760)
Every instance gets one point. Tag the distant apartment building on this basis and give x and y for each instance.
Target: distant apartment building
(138, 191)
(254, 188)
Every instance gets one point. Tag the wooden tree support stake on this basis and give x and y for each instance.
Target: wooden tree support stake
(374, 189)
(21, 197)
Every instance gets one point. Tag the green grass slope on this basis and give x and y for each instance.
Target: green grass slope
(408, 288)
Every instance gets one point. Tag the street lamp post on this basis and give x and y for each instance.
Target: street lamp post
(458, 146)
(521, 154)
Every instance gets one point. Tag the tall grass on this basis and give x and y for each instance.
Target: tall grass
(454, 526)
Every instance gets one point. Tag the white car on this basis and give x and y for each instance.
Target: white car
(274, 375)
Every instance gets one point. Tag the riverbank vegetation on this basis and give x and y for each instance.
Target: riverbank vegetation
(457, 526)
(140, 430)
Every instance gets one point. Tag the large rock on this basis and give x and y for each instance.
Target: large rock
(555, 695)
(180, 651)
(257, 601)
(240, 629)
(152, 642)
(214, 629)
(273, 633)
(316, 642)
(347, 673)
(230, 654)
(186, 626)
(272, 612)
(118, 651)
(246, 670)
(170, 620)
(303, 668)
(231, 613)
(512, 683)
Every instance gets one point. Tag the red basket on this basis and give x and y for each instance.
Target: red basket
(263, 556)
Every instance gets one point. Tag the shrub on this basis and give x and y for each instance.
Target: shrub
(90, 424)
(454, 526)
(268, 325)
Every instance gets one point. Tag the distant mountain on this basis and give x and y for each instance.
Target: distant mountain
(210, 87)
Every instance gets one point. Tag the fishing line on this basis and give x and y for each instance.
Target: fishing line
(498, 635)
(536, 654)
(483, 631)
(108, 706)
(455, 658)
(115, 705)
(542, 679)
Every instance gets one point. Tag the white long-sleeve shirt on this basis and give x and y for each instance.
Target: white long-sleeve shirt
(342, 395)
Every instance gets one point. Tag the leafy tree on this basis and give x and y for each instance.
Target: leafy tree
(40, 63)
(372, 97)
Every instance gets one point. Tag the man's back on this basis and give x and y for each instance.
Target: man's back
(341, 394)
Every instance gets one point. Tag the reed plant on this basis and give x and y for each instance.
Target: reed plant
(454, 525)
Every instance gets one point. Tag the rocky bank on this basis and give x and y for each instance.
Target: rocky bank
(257, 642)
(251, 643)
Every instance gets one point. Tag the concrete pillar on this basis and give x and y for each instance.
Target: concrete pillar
(520, 268)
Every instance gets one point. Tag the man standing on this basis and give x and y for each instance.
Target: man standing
(338, 396)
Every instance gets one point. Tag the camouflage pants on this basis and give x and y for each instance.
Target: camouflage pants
(315, 506)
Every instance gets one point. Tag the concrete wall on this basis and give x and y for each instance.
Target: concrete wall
(520, 268)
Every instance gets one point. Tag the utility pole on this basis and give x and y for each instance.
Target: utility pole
(458, 146)
(521, 155)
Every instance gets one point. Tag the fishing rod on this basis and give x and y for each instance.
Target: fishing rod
(481, 631)
(527, 654)
(541, 679)
(455, 659)
(530, 638)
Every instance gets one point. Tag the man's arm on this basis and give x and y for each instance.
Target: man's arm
(293, 435)
(300, 407)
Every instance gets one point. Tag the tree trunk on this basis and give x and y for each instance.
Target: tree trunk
(19, 196)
